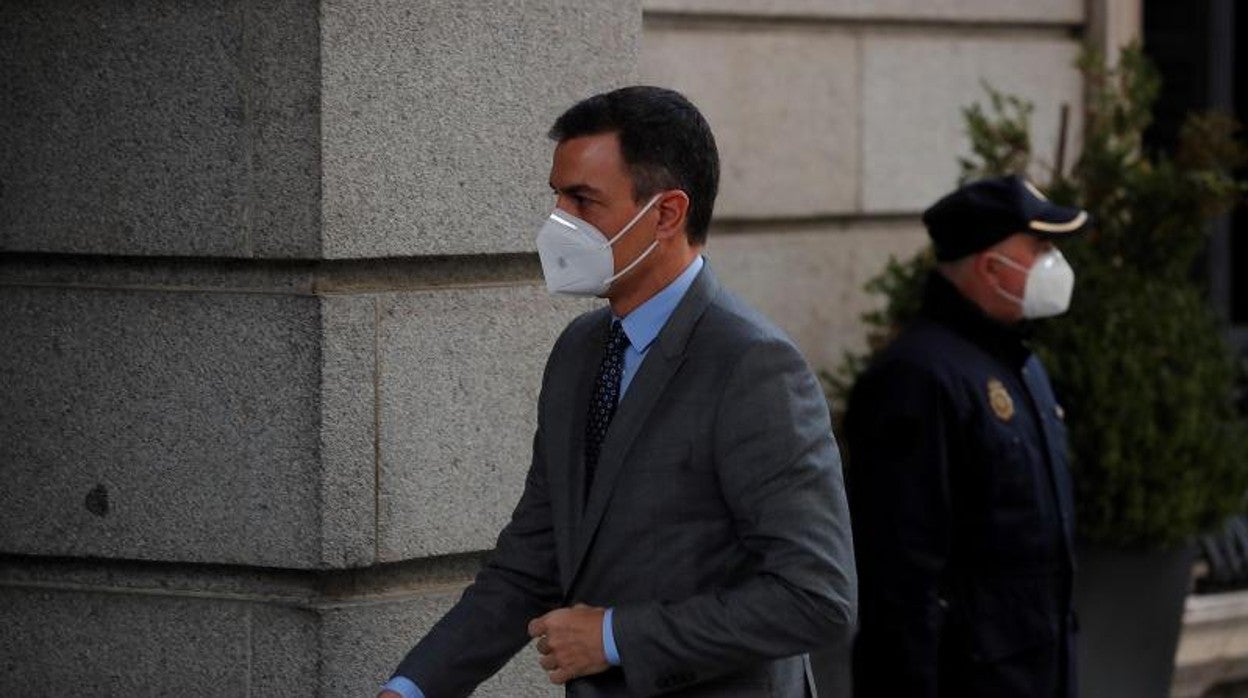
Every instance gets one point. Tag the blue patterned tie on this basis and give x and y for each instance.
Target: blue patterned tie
(605, 398)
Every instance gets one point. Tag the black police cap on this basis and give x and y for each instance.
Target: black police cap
(982, 213)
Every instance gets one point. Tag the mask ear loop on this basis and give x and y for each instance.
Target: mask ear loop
(1013, 265)
(628, 226)
(611, 279)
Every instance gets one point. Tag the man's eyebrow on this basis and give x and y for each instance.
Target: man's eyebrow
(576, 189)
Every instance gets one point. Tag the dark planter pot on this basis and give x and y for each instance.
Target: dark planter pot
(1130, 607)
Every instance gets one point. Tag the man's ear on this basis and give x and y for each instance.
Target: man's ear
(984, 267)
(673, 209)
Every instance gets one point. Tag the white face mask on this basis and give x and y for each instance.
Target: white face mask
(1050, 282)
(576, 256)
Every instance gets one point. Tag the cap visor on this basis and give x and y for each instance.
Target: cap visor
(1057, 222)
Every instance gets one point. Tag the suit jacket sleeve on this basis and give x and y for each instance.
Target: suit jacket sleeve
(780, 475)
(897, 430)
(489, 624)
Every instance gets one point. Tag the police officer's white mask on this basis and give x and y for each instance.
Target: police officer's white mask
(1050, 283)
(576, 256)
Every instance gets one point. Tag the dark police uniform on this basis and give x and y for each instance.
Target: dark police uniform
(962, 510)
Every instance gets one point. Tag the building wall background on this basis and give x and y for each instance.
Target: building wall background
(272, 322)
(839, 121)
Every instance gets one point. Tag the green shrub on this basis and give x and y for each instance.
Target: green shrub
(1158, 450)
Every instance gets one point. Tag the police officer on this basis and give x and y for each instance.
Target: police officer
(958, 480)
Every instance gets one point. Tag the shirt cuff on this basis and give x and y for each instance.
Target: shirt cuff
(608, 639)
(404, 687)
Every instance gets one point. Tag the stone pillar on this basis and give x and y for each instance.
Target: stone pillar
(1112, 24)
(272, 327)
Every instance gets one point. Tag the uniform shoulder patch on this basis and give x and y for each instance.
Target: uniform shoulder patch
(1000, 400)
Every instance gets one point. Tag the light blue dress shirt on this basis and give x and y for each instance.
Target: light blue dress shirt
(643, 324)
(642, 327)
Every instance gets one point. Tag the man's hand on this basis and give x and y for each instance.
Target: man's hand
(388, 694)
(570, 642)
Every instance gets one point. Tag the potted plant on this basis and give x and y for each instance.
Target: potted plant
(1158, 449)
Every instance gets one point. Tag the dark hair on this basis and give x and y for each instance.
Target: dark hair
(664, 140)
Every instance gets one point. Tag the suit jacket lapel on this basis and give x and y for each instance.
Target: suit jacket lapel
(661, 363)
(566, 444)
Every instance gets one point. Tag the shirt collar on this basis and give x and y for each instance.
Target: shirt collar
(644, 323)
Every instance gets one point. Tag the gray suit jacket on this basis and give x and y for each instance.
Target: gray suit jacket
(716, 524)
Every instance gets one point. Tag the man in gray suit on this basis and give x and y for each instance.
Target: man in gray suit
(683, 528)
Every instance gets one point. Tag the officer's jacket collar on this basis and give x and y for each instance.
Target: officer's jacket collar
(943, 303)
